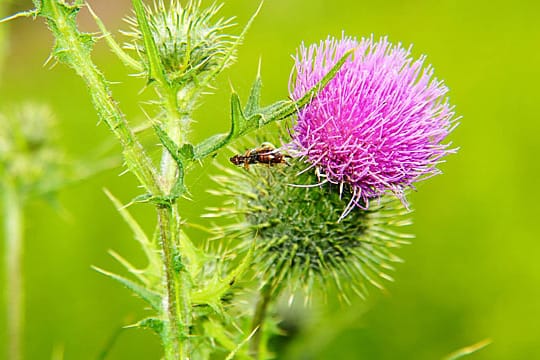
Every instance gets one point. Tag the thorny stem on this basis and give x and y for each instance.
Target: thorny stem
(178, 279)
(170, 306)
(177, 304)
(258, 321)
(183, 291)
(76, 54)
(14, 277)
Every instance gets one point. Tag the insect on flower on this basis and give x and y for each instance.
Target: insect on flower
(266, 154)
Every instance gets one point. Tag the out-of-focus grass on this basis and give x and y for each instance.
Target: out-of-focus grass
(471, 272)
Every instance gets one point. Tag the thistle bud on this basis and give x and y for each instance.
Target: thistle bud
(28, 154)
(190, 42)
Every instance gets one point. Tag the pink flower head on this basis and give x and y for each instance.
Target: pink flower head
(378, 124)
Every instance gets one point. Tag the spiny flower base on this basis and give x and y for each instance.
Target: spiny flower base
(299, 240)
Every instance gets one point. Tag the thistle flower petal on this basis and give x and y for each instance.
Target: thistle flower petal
(379, 125)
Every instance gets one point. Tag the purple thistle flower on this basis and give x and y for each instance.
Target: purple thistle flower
(378, 125)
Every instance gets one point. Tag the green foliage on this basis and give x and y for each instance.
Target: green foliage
(151, 275)
(62, 19)
(465, 276)
(153, 299)
(154, 324)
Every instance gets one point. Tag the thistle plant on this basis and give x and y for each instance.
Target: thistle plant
(314, 212)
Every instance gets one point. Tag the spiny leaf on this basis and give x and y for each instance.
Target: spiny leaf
(140, 236)
(113, 45)
(255, 117)
(129, 267)
(239, 122)
(216, 331)
(154, 324)
(73, 48)
(216, 289)
(62, 16)
(254, 98)
(155, 71)
(182, 156)
(153, 299)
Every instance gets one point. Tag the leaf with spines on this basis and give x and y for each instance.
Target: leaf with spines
(155, 66)
(154, 324)
(217, 287)
(216, 331)
(113, 45)
(253, 117)
(182, 156)
(151, 298)
(53, 10)
(253, 102)
(152, 273)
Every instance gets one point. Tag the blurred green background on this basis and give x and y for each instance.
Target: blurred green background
(471, 273)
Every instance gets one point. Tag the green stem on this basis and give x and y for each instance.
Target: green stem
(177, 304)
(183, 287)
(14, 277)
(72, 48)
(176, 125)
(172, 343)
(176, 121)
(259, 317)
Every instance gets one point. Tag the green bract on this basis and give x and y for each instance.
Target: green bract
(299, 238)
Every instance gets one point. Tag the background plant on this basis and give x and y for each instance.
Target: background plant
(32, 166)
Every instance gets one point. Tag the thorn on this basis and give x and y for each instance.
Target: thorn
(49, 58)
(231, 85)
(28, 13)
(259, 67)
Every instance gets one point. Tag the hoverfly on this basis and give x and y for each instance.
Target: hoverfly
(266, 154)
